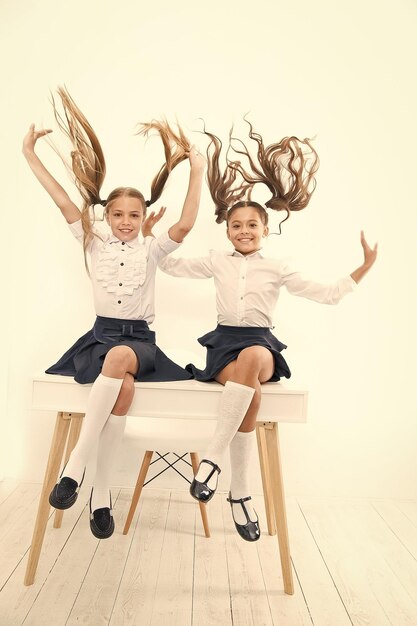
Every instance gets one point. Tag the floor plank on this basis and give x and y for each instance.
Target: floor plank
(211, 593)
(348, 535)
(173, 592)
(409, 508)
(96, 598)
(60, 590)
(17, 519)
(136, 595)
(16, 600)
(325, 605)
(249, 600)
(7, 486)
(285, 610)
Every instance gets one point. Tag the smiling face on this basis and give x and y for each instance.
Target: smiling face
(245, 229)
(125, 216)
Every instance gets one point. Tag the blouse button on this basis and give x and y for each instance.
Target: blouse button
(119, 302)
(120, 284)
(121, 263)
(123, 243)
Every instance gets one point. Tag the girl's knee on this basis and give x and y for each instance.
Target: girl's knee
(120, 360)
(253, 358)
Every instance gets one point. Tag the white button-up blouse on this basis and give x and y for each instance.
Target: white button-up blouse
(247, 287)
(123, 273)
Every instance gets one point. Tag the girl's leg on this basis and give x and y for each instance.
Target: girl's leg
(241, 379)
(105, 391)
(109, 441)
(234, 403)
(253, 366)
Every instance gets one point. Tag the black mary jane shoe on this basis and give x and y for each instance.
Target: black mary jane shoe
(249, 531)
(101, 521)
(200, 490)
(65, 492)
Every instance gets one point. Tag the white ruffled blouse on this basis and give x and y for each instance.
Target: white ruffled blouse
(123, 273)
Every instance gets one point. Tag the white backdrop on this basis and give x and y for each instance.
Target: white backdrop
(343, 73)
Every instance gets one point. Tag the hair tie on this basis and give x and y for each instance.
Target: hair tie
(99, 201)
(148, 203)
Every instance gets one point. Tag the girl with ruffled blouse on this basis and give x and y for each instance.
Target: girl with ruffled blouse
(120, 348)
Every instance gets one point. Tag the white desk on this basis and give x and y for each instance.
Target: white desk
(186, 400)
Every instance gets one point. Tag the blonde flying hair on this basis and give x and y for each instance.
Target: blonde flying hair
(287, 168)
(88, 166)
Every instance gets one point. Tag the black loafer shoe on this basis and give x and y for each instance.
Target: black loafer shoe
(101, 521)
(249, 531)
(200, 490)
(65, 492)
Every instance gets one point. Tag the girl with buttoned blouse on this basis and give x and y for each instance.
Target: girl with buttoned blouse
(120, 348)
(242, 353)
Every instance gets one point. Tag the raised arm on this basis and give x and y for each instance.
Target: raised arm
(180, 229)
(67, 207)
(328, 293)
(369, 259)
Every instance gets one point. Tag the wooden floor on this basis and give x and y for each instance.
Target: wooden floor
(355, 562)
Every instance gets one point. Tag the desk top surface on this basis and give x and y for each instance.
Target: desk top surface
(287, 387)
(282, 402)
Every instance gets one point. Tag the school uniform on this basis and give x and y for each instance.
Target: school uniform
(123, 283)
(247, 290)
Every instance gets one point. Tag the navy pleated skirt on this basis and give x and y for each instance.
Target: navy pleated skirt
(85, 358)
(226, 342)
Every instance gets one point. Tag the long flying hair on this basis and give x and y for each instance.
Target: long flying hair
(88, 166)
(287, 168)
(224, 187)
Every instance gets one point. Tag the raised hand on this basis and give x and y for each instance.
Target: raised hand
(369, 259)
(183, 226)
(197, 160)
(32, 137)
(152, 219)
(58, 194)
(369, 253)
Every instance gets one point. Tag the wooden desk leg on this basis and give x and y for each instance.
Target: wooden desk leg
(265, 474)
(138, 489)
(51, 474)
(203, 510)
(76, 420)
(277, 489)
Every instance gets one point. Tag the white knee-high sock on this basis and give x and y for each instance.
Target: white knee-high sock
(101, 401)
(234, 403)
(241, 450)
(109, 441)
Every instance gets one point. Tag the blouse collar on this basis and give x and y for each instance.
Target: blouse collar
(254, 255)
(135, 243)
